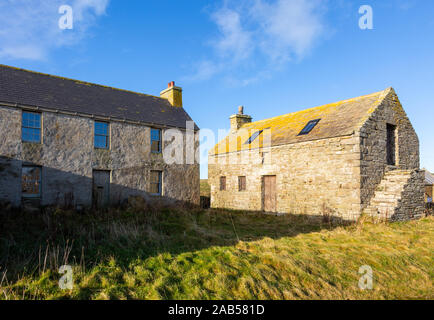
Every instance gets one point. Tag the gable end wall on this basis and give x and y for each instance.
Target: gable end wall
(373, 137)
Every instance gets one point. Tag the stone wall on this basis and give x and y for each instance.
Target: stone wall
(10, 152)
(68, 157)
(411, 205)
(373, 137)
(399, 196)
(315, 177)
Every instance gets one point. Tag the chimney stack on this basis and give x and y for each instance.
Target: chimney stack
(173, 94)
(238, 120)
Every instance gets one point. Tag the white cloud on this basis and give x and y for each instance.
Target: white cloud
(288, 28)
(261, 35)
(234, 41)
(29, 28)
(204, 70)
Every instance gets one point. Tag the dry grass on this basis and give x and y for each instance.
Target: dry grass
(150, 253)
(205, 189)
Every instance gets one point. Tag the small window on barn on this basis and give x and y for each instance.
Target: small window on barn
(31, 127)
(101, 135)
(241, 183)
(253, 137)
(31, 182)
(308, 128)
(156, 182)
(155, 140)
(222, 183)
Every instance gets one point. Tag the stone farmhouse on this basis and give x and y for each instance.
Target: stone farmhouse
(340, 159)
(72, 143)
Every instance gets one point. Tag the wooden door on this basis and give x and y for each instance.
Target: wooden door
(101, 188)
(269, 193)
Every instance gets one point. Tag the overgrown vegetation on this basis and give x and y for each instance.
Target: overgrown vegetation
(205, 189)
(144, 252)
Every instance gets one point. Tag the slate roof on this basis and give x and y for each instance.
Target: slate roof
(19, 86)
(341, 118)
(429, 178)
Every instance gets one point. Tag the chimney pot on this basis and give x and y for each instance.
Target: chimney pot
(171, 84)
(240, 110)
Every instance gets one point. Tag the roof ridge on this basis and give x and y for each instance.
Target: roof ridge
(385, 92)
(79, 81)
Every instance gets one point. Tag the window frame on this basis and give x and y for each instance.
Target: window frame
(254, 136)
(242, 183)
(23, 127)
(159, 140)
(95, 134)
(39, 181)
(223, 181)
(309, 127)
(159, 183)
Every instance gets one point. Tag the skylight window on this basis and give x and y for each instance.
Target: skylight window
(253, 137)
(308, 128)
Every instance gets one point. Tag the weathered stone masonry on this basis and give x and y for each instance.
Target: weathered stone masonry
(312, 177)
(68, 157)
(339, 172)
(67, 154)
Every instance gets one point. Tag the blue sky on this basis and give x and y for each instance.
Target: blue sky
(272, 56)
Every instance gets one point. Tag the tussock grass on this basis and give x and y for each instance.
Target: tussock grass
(142, 252)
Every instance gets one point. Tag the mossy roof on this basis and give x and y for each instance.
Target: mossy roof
(29, 88)
(341, 118)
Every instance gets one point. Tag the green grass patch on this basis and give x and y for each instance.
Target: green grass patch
(205, 189)
(150, 253)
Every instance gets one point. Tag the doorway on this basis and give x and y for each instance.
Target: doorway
(269, 193)
(101, 188)
(391, 144)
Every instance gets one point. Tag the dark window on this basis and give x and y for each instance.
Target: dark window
(391, 144)
(308, 128)
(222, 183)
(156, 182)
(31, 127)
(31, 182)
(101, 135)
(241, 183)
(253, 137)
(155, 140)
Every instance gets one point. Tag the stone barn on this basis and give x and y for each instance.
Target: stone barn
(72, 143)
(340, 159)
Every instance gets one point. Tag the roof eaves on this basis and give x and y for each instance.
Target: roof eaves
(90, 115)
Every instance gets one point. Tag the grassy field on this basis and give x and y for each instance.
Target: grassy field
(142, 252)
(205, 189)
